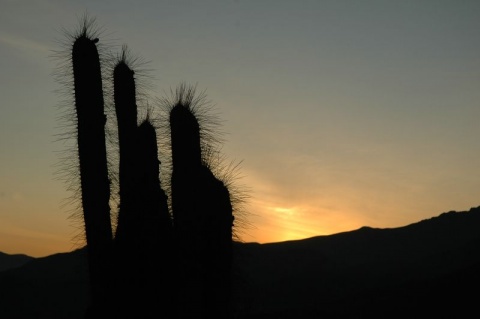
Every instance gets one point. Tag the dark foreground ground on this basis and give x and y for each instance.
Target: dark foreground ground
(429, 269)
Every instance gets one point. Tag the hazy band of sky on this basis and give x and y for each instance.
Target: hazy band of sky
(344, 113)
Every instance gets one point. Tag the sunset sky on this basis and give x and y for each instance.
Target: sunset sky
(344, 113)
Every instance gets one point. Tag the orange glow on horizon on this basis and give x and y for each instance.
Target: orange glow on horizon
(283, 223)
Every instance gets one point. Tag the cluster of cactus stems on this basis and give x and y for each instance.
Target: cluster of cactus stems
(158, 263)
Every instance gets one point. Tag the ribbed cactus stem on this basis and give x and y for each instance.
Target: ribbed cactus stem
(152, 200)
(95, 186)
(203, 223)
(156, 265)
(155, 227)
(216, 234)
(144, 253)
(186, 160)
(185, 135)
(126, 110)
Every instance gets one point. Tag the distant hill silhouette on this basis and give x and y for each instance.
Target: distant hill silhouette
(8, 261)
(426, 269)
(423, 270)
(55, 286)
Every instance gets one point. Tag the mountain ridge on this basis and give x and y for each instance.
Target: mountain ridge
(352, 263)
(426, 267)
(8, 261)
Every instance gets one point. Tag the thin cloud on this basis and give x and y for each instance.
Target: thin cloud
(11, 229)
(23, 44)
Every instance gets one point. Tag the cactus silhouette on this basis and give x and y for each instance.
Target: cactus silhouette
(126, 111)
(203, 218)
(95, 188)
(152, 206)
(143, 233)
(155, 227)
(175, 261)
(141, 197)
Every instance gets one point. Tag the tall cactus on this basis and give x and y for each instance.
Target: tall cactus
(126, 111)
(141, 195)
(203, 219)
(193, 241)
(186, 162)
(95, 188)
(155, 229)
(142, 241)
(152, 203)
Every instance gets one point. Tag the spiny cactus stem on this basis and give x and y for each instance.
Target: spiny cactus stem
(95, 186)
(126, 110)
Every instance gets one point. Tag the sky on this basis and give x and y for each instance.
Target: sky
(341, 113)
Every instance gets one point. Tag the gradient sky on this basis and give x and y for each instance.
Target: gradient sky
(344, 113)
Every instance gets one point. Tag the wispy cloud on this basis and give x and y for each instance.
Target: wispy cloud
(23, 43)
(9, 228)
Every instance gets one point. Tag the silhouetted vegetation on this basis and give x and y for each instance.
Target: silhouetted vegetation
(95, 188)
(203, 219)
(160, 263)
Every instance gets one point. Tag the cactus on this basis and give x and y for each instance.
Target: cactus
(155, 227)
(203, 218)
(141, 196)
(192, 240)
(126, 111)
(92, 155)
(152, 206)
(144, 223)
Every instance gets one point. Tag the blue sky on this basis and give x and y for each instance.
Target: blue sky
(343, 113)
